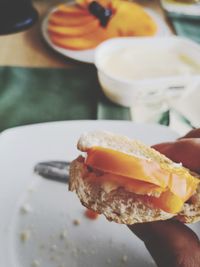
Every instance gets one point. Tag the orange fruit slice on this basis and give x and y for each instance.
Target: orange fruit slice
(83, 42)
(74, 31)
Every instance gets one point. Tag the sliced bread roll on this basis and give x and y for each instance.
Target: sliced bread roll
(117, 198)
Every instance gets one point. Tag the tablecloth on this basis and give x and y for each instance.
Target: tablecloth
(34, 95)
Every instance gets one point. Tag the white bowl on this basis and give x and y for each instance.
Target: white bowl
(126, 91)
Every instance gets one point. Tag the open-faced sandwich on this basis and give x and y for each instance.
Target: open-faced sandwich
(130, 182)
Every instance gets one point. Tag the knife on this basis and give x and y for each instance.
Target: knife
(53, 170)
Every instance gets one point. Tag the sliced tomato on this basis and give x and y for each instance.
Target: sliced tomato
(90, 214)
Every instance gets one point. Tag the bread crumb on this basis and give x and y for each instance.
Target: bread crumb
(76, 222)
(75, 252)
(54, 258)
(108, 261)
(53, 248)
(35, 263)
(63, 234)
(94, 237)
(93, 251)
(51, 236)
(25, 208)
(31, 189)
(42, 246)
(124, 258)
(177, 165)
(84, 251)
(25, 235)
(61, 253)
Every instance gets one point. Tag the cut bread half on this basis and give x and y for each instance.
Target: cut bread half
(130, 182)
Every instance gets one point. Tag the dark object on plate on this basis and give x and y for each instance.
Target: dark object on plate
(103, 14)
(16, 15)
(53, 170)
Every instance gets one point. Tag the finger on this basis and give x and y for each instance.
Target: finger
(192, 134)
(186, 151)
(170, 243)
(164, 148)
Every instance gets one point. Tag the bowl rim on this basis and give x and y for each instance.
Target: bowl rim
(183, 78)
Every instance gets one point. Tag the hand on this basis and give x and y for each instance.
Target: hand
(186, 150)
(171, 243)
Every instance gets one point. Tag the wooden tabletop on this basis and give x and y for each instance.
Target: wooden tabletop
(29, 49)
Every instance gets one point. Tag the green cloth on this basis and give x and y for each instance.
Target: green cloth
(33, 95)
(186, 26)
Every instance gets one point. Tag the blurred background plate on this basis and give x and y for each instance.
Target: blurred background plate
(87, 56)
(40, 218)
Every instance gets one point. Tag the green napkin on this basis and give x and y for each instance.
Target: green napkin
(186, 26)
(33, 95)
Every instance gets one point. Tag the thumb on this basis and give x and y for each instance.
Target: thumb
(170, 243)
(192, 134)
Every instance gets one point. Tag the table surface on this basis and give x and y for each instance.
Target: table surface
(29, 49)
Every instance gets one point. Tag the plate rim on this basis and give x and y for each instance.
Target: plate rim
(63, 122)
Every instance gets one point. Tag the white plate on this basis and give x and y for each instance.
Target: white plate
(50, 209)
(87, 56)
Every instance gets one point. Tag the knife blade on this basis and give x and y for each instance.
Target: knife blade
(53, 170)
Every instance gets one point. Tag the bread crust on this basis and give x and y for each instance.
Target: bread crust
(122, 144)
(118, 205)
